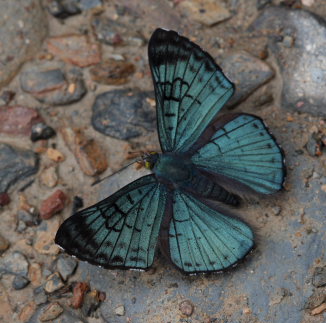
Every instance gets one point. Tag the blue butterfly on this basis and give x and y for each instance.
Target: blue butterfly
(206, 161)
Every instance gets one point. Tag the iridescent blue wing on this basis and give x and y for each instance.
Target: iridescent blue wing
(119, 232)
(241, 154)
(190, 89)
(199, 238)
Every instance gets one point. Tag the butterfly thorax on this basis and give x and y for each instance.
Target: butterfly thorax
(173, 169)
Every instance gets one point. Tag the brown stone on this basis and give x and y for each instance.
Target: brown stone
(53, 204)
(4, 199)
(4, 244)
(27, 312)
(5, 307)
(319, 309)
(112, 72)
(35, 274)
(90, 156)
(18, 120)
(78, 294)
(44, 242)
(75, 49)
(55, 155)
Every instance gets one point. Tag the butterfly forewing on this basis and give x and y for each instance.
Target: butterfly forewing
(203, 239)
(243, 149)
(120, 231)
(190, 89)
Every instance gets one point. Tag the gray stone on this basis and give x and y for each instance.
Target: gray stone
(319, 277)
(66, 266)
(247, 73)
(23, 28)
(20, 282)
(297, 39)
(15, 165)
(53, 85)
(14, 263)
(40, 296)
(123, 114)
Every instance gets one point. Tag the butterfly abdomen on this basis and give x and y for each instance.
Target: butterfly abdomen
(205, 187)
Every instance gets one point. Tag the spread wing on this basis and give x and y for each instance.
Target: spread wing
(240, 152)
(198, 238)
(190, 89)
(121, 231)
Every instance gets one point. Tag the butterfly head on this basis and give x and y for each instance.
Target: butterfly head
(150, 159)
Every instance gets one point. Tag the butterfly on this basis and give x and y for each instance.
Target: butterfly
(207, 162)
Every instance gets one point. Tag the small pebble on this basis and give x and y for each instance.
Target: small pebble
(4, 199)
(92, 301)
(318, 310)
(53, 204)
(319, 277)
(20, 282)
(54, 283)
(55, 155)
(35, 274)
(186, 308)
(79, 292)
(120, 310)
(41, 131)
(66, 266)
(51, 312)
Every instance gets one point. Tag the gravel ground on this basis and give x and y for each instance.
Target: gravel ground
(76, 97)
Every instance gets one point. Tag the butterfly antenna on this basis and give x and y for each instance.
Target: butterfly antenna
(138, 160)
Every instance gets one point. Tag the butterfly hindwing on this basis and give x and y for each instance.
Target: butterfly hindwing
(199, 238)
(121, 231)
(240, 148)
(190, 89)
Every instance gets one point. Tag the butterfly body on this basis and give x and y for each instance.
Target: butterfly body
(204, 159)
(177, 171)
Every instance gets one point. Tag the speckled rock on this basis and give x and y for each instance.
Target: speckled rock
(18, 120)
(22, 31)
(208, 12)
(123, 114)
(15, 164)
(297, 39)
(53, 83)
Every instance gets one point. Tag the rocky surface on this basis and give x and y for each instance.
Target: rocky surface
(22, 31)
(83, 105)
(297, 39)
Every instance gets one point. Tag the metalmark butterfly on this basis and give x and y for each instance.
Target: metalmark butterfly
(204, 158)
